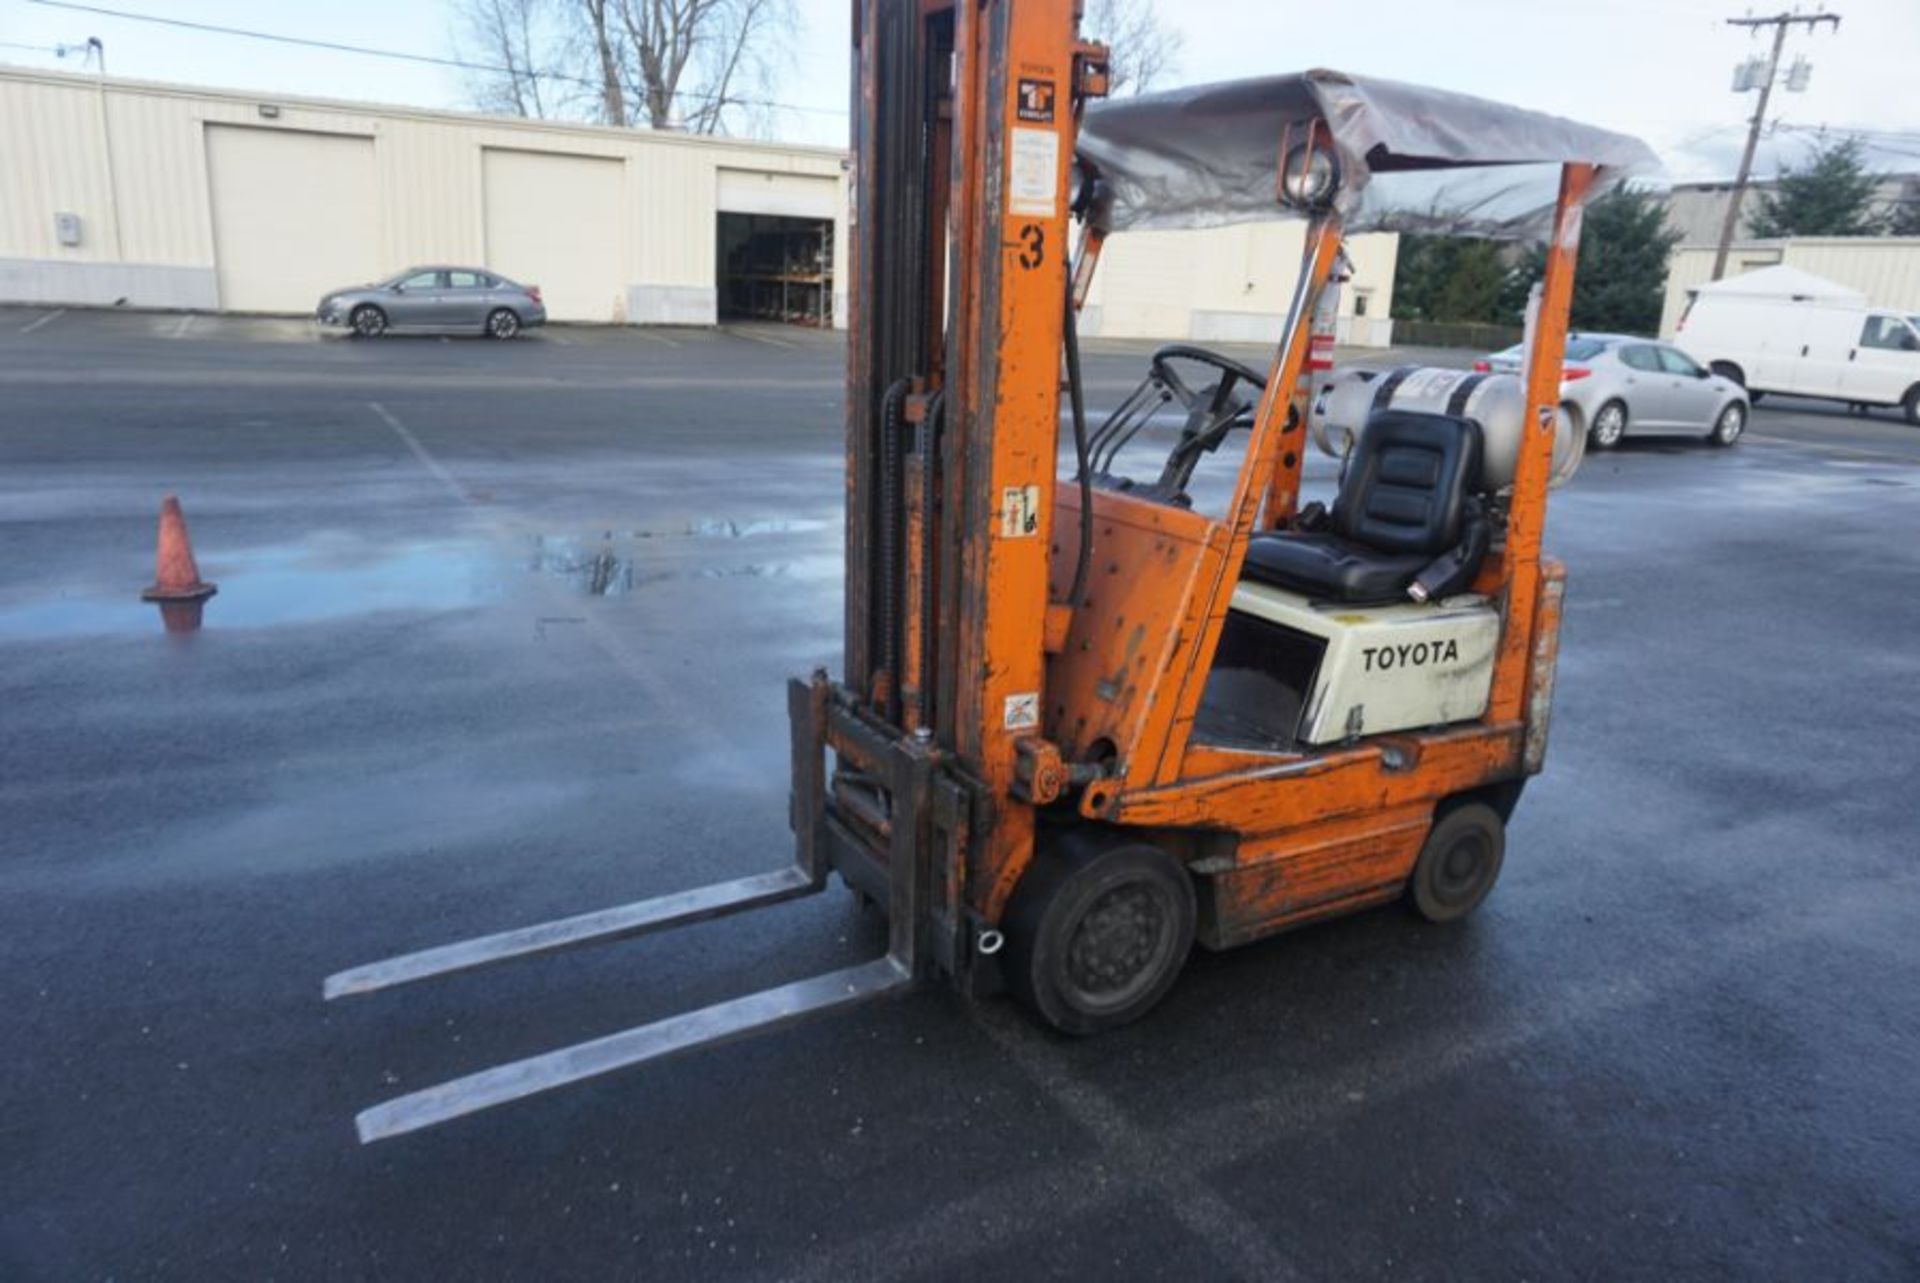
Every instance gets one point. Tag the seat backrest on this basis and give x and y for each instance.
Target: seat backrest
(1407, 484)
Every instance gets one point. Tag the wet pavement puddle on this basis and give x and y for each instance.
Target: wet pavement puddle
(339, 575)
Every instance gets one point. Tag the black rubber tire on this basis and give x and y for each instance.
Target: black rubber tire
(502, 323)
(1728, 370)
(1593, 429)
(1459, 863)
(1912, 406)
(1719, 434)
(1097, 933)
(1755, 398)
(368, 321)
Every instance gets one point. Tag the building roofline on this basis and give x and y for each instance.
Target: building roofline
(175, 89)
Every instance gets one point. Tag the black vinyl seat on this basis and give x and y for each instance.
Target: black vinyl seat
(1406, 522)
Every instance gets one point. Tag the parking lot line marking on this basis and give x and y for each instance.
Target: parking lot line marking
(1169, 1172)
(427, 461)
(48, 319)
(667, 697)
(180, 330)
(767, 339)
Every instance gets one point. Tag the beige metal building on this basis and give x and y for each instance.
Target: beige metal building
(1231, 285)
(168, 196)
(1885, 268)
(163, 196)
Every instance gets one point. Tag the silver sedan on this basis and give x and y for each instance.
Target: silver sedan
(1615, 385)
(436, 298)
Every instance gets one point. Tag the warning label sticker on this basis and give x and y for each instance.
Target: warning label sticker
(1019, 512)
(1033, 180)
(1023, 711)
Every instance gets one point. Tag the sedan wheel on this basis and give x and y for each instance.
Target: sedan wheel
(1728, 427)
(1609, 425)
(368, 321)
(502, 323)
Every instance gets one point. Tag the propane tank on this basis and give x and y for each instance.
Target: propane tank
(1343, 401)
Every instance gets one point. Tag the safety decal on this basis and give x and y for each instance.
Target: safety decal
(1019, 512)
(1033, 180)
(1023, 711)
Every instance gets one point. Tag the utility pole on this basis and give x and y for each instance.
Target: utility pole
(1780, 22)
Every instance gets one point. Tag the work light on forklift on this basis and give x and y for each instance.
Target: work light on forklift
(1311, 174)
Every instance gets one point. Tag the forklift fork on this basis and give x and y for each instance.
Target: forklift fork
(907, 960)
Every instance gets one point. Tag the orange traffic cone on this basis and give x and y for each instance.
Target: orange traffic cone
(176, 576)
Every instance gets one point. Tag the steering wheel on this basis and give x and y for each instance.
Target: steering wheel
(1215, 399)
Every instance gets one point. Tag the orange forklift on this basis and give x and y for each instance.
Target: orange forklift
(1088, 719)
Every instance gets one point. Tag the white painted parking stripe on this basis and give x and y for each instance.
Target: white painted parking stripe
(768, 339)
(180, 330)
(48, 319)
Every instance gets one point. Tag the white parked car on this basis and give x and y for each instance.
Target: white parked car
(1783, 330)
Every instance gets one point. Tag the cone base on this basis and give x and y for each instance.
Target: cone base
(192, 592)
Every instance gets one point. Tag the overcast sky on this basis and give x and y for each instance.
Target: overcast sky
(1657, 68)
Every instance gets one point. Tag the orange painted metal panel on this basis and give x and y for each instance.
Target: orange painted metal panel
(1355, 781)
(1278, 879)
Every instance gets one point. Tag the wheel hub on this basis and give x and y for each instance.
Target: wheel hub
(1460, 870)
(1116, 942)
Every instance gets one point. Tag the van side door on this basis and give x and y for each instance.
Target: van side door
(1884, 363)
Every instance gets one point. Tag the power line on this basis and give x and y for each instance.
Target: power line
(1781, 23)
(397, 55)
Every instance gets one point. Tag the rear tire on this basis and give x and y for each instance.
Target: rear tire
(1098, 932)
(503, 323)
(1912, 405)
(1728, 370)
(1459, 863)
(368, 321)
(1609, 426)
(1729, 426)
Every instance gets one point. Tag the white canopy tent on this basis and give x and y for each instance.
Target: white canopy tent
(1788, 283)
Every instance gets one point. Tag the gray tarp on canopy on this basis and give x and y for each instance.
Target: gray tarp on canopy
(1412, 159)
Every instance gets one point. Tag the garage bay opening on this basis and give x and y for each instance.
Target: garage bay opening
(776, 268)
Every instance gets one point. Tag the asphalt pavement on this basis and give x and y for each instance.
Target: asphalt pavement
(502, 633)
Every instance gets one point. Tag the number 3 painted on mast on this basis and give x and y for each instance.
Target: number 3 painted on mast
(1033, 246)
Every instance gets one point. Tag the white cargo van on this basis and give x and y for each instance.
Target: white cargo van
(1783, 330)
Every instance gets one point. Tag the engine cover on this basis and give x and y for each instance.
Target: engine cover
(1384, 668)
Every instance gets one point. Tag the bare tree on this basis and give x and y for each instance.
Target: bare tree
(693, 60)
(1144, 50)
(602, 35)
(512, 38)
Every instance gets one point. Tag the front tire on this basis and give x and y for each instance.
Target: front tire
(368, 321)
(1459, 863)
(1728, 427)
(1097, 933)
(502, 323)
(1609, 425)
(1912, 405)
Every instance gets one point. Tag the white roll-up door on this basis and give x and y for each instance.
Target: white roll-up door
(294, 215)
(752, 191)
(555, 222)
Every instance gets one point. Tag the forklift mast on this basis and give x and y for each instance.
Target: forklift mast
(963, 138)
